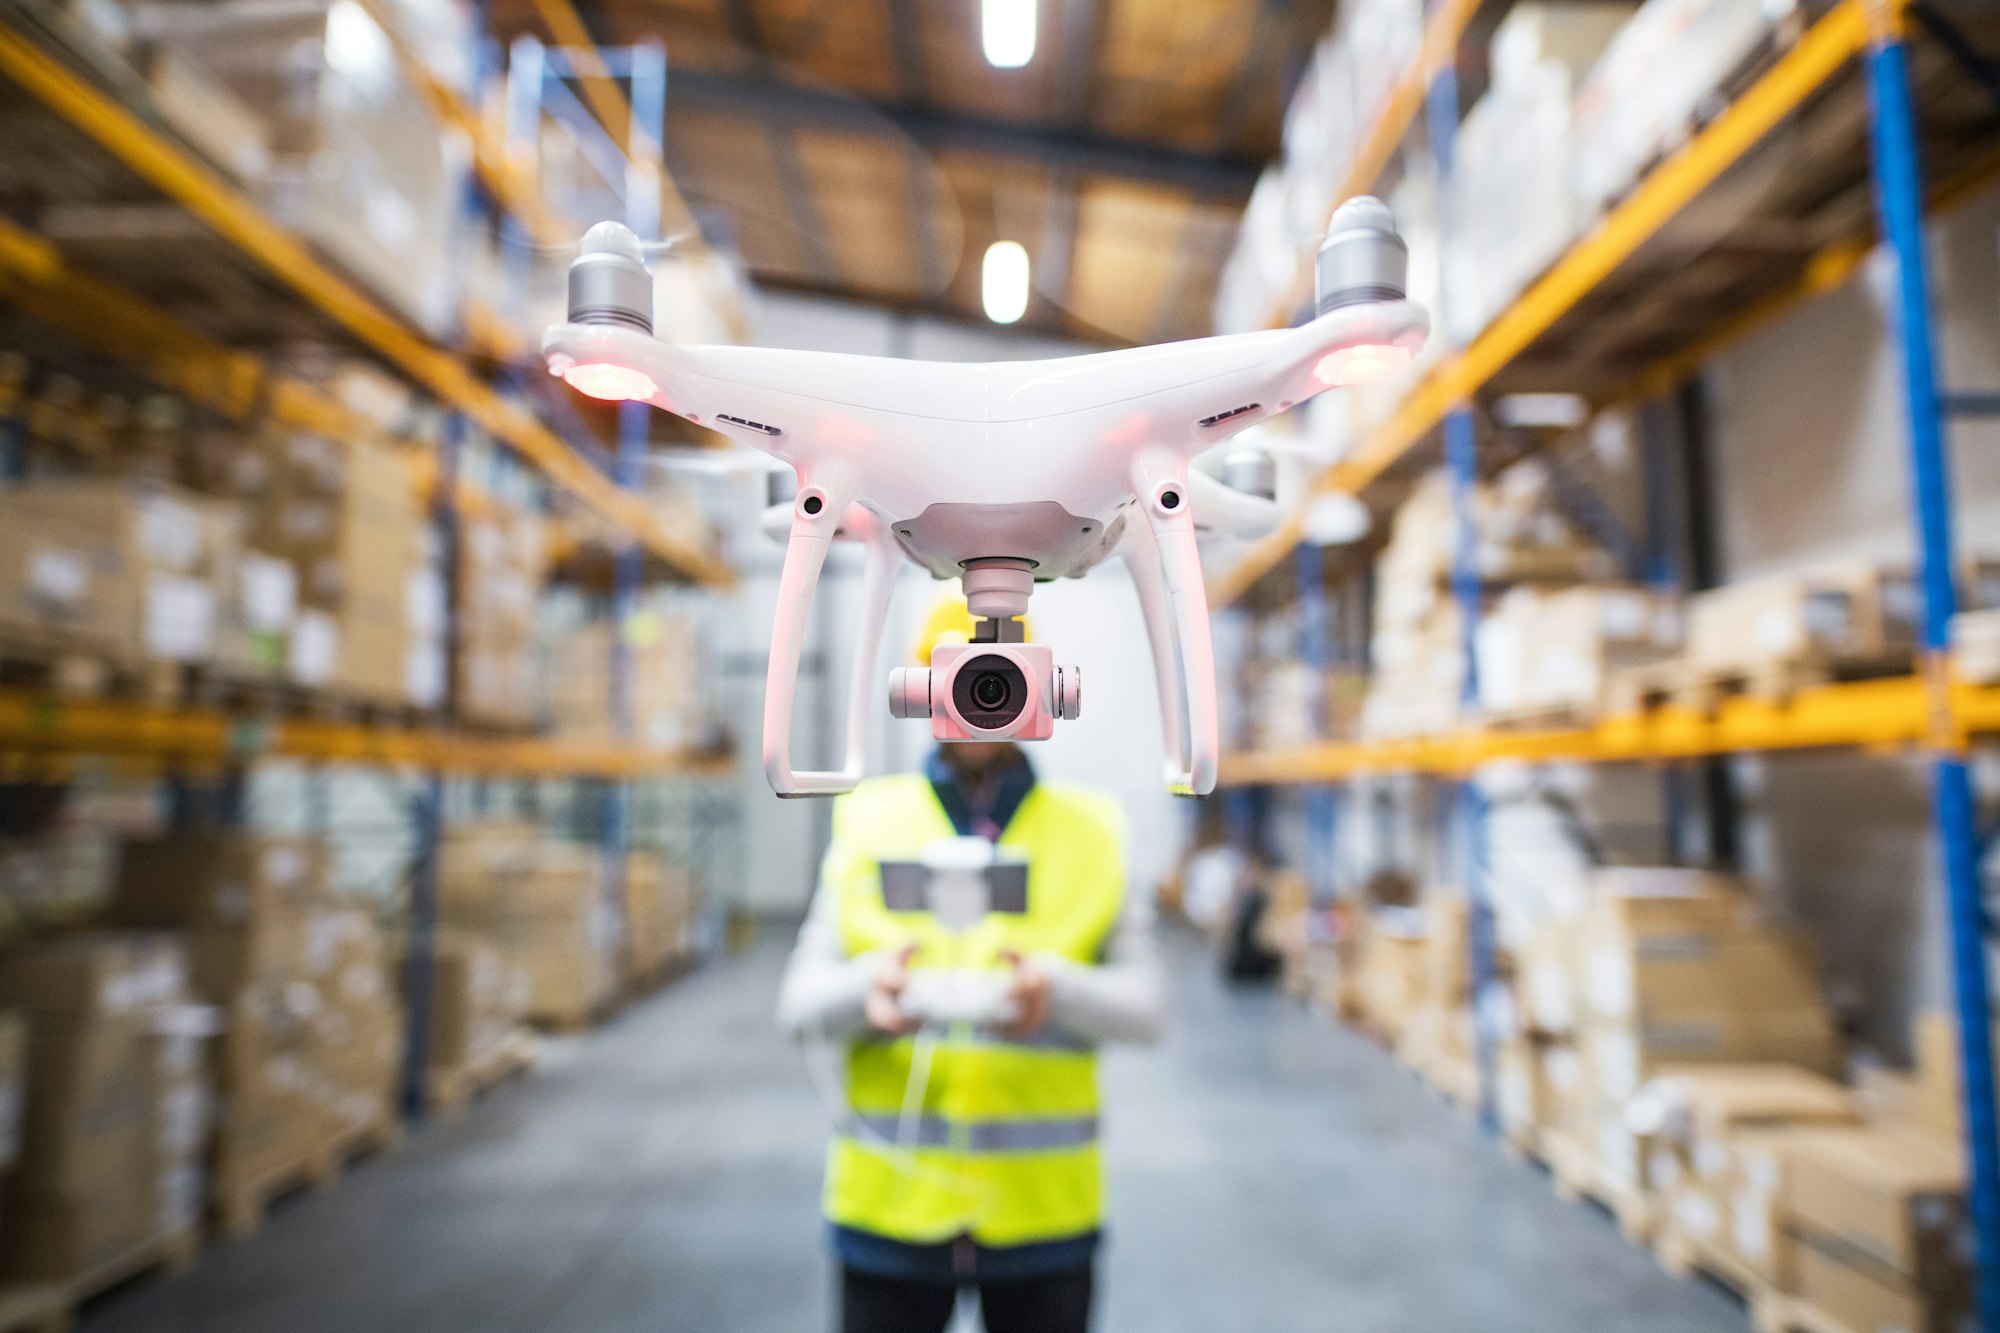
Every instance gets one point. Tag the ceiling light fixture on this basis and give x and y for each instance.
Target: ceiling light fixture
(1007, 32)
(1003, 282)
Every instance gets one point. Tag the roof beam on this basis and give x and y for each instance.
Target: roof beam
(1215, 175)
(906, 36)
(1082, 29)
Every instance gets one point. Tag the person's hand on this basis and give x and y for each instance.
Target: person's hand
(883, 1006)
(1029, 991)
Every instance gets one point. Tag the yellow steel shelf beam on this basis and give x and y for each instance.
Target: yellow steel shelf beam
(38, 724)
(1872, 714)
(242, 224)
(1822, 52)
(35, 277)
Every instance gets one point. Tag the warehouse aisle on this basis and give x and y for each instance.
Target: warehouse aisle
(1272, 1174)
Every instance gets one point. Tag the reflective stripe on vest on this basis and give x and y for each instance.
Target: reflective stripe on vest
(1004, 1143)
(933, 1131)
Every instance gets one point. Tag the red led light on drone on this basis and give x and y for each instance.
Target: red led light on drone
(1369, 363)
(614, 384)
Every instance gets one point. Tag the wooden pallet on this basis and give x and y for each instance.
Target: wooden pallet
(1685, 1254)
(50, 1307)
(1789, 1314)
(450, 1092)
(239, 1206)
(1573, 715)
(1577, 1176)
(69, 665)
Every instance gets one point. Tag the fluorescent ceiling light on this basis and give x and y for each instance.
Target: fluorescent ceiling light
(356, 47)
(1007, 32)
(1003, 282)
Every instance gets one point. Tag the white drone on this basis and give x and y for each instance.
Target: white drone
(1001, 475)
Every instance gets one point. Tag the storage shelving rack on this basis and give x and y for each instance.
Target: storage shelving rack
(47, 64)
(1899, 120)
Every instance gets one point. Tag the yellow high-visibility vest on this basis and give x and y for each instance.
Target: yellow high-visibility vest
(1003, 1146)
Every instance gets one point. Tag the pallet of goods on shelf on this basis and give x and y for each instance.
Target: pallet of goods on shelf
(478, 1033)
(539, 902)
(311, 1034)
(1436, 1032)
(663, 682)
(1549, 657)
(660, 905)
(370, 620)
(1512, 193)
(110, 585)
(1975, 646)
(1866, 1228)
(326, 132)
(1417, 639)
(1663, 970)
(109, 1180)
(502, 561)
(1707, 1133)
(1661, 75)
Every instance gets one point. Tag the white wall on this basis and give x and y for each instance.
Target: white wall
(1093, 622)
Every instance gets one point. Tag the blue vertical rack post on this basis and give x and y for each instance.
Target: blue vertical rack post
(1900, 202)
(1321, 800)
(1461, 446)
(420, 957)
(538, 84)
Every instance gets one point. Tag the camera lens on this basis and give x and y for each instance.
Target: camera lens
(989, 693)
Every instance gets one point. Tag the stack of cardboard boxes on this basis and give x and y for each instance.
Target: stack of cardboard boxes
(134, 571)
(502, 558)
(371, 616)
(310, 109)
(1851, 617)
(1550, 656)
(664, 682)
(1673, 970)
(1436, 1037)
(116, 1105)
(541, 904)
(312, 1031)
(478, 1003)
(660, 905)
(1708, 1132)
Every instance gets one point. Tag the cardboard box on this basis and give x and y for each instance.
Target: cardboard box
(114, 1096)
(158, 561)
(100, 974)
(1852, 614)
(502, 565)
(1864, 1300)
(201, 110)
(217, 878)
(1884, 1200)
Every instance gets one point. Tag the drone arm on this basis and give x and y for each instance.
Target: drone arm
(805, 556)
(1222, 509)
(1159, 476)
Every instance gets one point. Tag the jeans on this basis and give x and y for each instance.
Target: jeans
(1057, 1303)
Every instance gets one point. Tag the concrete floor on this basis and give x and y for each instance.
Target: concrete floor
(1270, 1173)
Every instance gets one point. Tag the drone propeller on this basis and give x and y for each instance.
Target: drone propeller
(650, 249)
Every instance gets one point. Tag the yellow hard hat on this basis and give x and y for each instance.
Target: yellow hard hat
(950, 621)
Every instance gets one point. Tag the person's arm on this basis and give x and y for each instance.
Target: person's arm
(825, 992)
(1123, 998)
